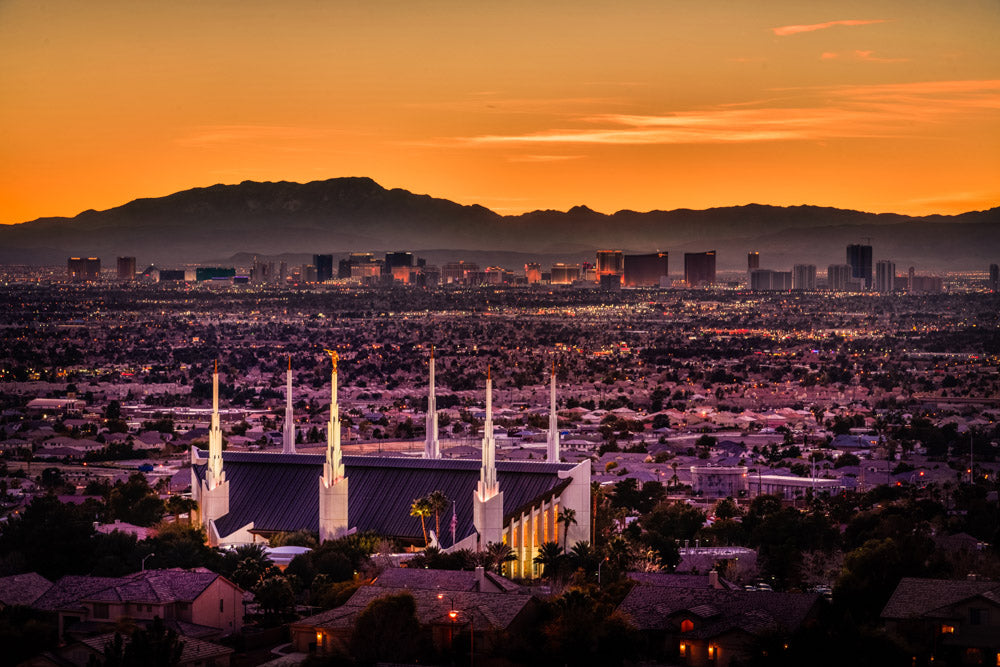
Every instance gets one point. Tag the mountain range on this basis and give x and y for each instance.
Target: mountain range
(214, 224)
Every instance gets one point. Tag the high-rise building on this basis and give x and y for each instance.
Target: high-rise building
(766, 280)
(646, 270)
(699, 268)
(995, 277)
(838, 276)
(126, 268)
(610, 263)
(307, 274)
(533, 272)
(83, 268)
(804, 277)
(398, 259)
(324, 267)
(753, 261)
(885, 276)
(565, 274)
(859, 257)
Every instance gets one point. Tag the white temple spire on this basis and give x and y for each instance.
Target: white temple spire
(553, 442)
(215, 474)
(488, 486)
(432, 447)
(288, 441)
(333, 469)
(333, 489)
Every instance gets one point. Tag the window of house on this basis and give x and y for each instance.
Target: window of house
(221, 605)
(947, 629)
(101, 610)
(682, 650)
(979, 616)
(687, 625)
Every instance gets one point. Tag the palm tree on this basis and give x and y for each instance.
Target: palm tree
(585, 556)
(550, 557)
(498, 553)
(421, 508)
(567, 517)
(439, 503)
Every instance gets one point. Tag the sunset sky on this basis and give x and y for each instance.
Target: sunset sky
(881, 105)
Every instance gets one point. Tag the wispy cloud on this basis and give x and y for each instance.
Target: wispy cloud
(846, 111)
(858, 55)
(215, 135)
(784, 30)
(543, 158)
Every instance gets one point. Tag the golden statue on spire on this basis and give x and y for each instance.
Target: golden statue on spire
(334, 357)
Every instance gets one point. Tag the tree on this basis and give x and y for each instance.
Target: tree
(439, 504)
(567, 517)
(421, 508)
(253, 565)
(178, 505)
(51, 538)
(550, 557)
(498, 553)
(388, 631)
(275, 596)
(153, 647)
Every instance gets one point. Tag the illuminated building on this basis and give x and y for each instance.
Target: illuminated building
(648, 270)
(838, 277)
(565, 274)
(699, 268)
(126, 268)
(753, 261)
(610, 263)
(995, 277)
(533, 272)
(83, 268)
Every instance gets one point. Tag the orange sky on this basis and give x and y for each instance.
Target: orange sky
(877, 105)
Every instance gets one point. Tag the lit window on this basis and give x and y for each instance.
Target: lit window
(947, 629)
(687, 625)
(712, 651)
(682, 651)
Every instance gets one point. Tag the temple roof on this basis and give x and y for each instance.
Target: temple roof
(280, 492)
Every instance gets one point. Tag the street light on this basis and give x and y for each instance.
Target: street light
(453, 616)
(144, 561)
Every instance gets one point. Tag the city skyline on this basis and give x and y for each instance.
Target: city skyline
(883, 107)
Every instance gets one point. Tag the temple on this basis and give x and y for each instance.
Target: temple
(288, 436)
(246, 497)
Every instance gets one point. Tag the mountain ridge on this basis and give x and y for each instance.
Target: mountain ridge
(356, 213)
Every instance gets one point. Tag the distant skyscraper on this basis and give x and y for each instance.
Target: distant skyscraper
(766, 280)
(610, 263)
(564, 274)
(83, 268)
(324, 267)
(753, 261)
(533, 272)
(699, 268)
(837, 277)
(646, 270)
(126, 268)
(995, 277)
(885, 276)
(859, 257)
(804, 277)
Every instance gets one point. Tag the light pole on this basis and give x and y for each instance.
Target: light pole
(452, 615)
(144, 561)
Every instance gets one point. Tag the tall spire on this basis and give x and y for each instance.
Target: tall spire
(553, 443)
(288, 442)
(215, 474)
(333, 470)
(432, 447)
(488, 486)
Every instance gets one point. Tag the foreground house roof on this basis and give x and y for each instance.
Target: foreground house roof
(930, 598)
(150, 587)
(22, 589)
(660, 608)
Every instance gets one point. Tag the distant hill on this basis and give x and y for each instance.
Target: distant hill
(357, 214)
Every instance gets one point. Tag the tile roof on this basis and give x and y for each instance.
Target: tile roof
(488, 611)
(150, 587)
(192, 651)
(930, 597)
(279, 492)
(67, 591)
(444, 580)
(720, 611)
(23, 589)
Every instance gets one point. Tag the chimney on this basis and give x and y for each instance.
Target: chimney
(713, 579)
(480, 578)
